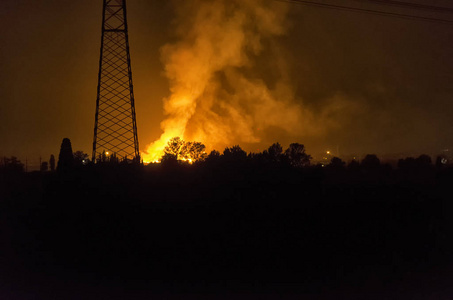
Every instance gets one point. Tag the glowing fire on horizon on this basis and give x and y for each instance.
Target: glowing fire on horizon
(176, 108)
(217, 94)
(155, 151)
(218, 40)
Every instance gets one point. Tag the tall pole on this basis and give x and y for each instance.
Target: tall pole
(115, 127)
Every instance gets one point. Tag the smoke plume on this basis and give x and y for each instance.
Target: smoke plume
(229, 82)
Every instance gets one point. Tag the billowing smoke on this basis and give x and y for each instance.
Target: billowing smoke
(228, 78)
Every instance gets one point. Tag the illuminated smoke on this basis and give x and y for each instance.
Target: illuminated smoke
(219, 95)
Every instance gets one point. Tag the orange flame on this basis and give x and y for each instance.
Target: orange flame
(220, 39)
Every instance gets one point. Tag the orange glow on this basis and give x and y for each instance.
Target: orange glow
(155, 151)
(211, 54)
(189, 160)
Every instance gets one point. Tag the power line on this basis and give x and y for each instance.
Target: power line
(369, 11)
(411, 5)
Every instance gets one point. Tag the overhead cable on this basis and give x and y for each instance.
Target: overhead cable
(411, 5)
(369, 11)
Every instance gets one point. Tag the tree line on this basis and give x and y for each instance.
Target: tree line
(179, 152)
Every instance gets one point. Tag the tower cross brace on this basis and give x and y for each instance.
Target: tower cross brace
(115, 128)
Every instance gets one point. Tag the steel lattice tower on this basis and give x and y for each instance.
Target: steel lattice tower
(115, 128)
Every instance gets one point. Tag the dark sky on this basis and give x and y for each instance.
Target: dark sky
(380, 84)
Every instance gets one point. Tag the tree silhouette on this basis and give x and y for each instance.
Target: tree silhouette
(12, 165)
(410, 164)
(174, 146)
(169, 160)
(214, 155)
(65, 158)
(353, 166)
(336, 163)
(213, 158)
(234, 154)
(296, 155)
(193, 151)
(81, 158)
(273, 153)
(178, 149)
(406, 164)
(371, 161)
(424, 160)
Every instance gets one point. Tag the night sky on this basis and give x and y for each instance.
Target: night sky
(370, 83)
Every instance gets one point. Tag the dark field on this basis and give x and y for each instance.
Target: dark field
(235, 231)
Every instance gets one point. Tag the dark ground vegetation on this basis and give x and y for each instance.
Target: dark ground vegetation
(232, 227)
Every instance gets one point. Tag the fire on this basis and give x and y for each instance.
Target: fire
(189, 160)
(155, 151)
(179, 108)
(216, 95)
(182, 150)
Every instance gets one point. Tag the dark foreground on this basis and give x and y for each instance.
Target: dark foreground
(216, 233)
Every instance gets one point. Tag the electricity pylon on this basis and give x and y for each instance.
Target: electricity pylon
(115, 128)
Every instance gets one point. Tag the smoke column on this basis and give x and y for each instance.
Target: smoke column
(218, 96)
